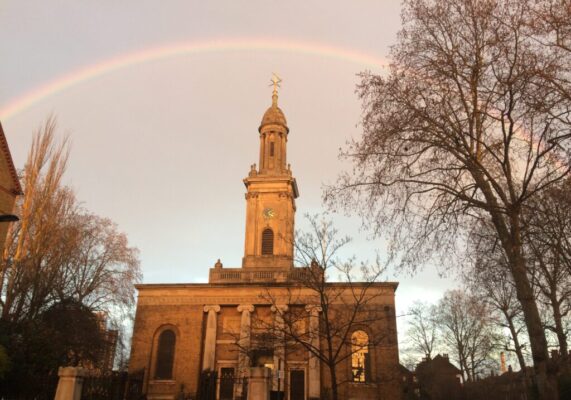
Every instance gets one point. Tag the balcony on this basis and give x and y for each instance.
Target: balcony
(244, 275)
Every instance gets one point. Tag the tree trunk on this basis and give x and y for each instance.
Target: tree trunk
(510, 237)
(545, 384)
(333, 375)
(559, 330)
(517, 345)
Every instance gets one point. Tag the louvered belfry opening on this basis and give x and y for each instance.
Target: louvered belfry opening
(267, 242)
(165, 355)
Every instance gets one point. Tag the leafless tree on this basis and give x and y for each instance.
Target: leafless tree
(549, 20)
(422, 332)
(347, 296)
(548, 240)
(494, 287)
(468, 331)
(489, 279)
(59, 251)
(463, 127)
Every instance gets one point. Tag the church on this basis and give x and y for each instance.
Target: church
(309, 333)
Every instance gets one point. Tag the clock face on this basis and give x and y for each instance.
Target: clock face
(269, 213)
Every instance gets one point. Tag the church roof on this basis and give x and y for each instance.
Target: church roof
(274, 116)
(5, 151)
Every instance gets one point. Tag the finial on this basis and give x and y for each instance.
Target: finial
(276, 80)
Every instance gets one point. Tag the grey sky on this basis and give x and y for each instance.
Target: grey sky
(162, 147)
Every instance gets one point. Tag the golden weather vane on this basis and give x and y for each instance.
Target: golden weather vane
(276, 80)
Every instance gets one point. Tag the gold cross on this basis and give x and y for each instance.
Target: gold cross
(276, 80)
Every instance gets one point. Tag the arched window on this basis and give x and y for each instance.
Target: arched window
(165, 355)
(267, 242)
(360, 359)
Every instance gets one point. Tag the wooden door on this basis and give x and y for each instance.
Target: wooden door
(297, 384)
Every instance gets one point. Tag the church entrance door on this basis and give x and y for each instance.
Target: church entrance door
(226, 383)
(297, 384)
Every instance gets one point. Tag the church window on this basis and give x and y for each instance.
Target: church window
(267, 242)
(165, 355)
(360, 357)
(271, 149)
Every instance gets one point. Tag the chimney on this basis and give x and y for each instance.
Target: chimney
(502, 362)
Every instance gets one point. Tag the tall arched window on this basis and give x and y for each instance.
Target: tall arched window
(165, 355)
(267, 242)
(360, 360)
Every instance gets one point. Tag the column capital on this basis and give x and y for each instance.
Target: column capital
(212, 307)
(313, 309)
(280, 308)
(246, 307)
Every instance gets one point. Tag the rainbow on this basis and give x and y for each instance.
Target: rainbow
(107, 66)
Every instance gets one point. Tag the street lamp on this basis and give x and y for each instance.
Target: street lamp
(8, 218)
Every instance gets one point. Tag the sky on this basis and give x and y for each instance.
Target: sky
(162, 102)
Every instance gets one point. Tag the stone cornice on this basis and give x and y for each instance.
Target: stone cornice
(147, 286)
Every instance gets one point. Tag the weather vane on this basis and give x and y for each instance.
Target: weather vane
(276, 80)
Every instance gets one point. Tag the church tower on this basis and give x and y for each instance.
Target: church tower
(270, 197)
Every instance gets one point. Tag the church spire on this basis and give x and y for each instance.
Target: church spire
(270, 200)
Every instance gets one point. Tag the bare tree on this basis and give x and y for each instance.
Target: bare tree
(548, 240)
(348, 298)
(494, 287)
(462, 128)
(422, 332)
(549, 20)
(58, 251)
(467, 329)
(43, 205)
(489, 279)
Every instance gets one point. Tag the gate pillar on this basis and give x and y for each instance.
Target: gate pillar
(70, 383)
(259, 383)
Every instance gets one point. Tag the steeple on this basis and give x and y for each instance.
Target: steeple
(273, 136)
(270, 200)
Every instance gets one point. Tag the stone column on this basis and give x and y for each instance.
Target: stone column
(244, 344)
(279, 354)
(314, 370)
(70, 383)
(208, 361)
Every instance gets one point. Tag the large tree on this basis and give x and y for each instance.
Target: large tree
(58, 250)
(62, 266)
(465, 125)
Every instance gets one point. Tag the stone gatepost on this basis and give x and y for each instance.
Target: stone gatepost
(259, 383)
(70, 383)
